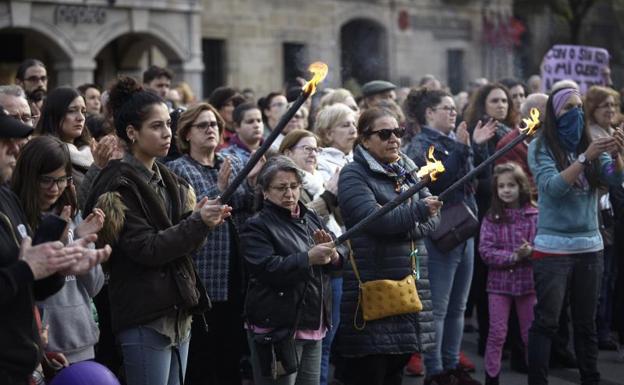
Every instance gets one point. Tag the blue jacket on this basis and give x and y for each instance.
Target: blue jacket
(383, 252)
(568, 217)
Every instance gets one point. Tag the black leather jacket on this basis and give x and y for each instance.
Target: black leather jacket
(275, 249)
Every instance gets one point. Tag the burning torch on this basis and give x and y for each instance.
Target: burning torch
(319, 69)
(428, 173)
(529, 129)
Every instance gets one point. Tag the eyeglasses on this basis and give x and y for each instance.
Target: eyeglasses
(278, 105)
(282, 189)
(309, 149)
(385, 133)
(37, 79)
(449, 109)
(47, 182)
(27, 119)
(205, 125)
(608, 105)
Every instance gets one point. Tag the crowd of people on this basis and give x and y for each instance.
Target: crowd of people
(116, 246)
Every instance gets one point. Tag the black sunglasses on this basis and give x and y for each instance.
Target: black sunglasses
(385, 133)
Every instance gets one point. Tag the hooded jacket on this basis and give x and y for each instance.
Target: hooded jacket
(151, 271)
(382, 251)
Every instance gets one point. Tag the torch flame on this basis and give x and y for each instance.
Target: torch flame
(319, 69)
(432, 168)
(531, 124)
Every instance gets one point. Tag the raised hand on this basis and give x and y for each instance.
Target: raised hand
(484, 132)
(322, 254)
(85, 258)
(433, 204)
(212, 212)
(223, 178)
(92, 223)
(332, 183)
(321, 236)
(462, 134)
(253, 174)
(45, 259)
(600, 145)
(104, 150)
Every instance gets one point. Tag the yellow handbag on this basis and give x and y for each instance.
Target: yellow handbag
(383, 298)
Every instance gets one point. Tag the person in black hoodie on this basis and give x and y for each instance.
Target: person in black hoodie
(155, 225)
(27, 272)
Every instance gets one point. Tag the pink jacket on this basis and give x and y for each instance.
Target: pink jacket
(497, 243)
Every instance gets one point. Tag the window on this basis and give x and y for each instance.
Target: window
(213, 52)
(295, 62)
(455, 69)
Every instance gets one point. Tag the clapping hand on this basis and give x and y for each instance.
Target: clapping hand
(212, 212)
(92, 223)
(484, 132)
(85, 258)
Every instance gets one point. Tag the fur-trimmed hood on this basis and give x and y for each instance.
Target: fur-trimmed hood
(105, 195)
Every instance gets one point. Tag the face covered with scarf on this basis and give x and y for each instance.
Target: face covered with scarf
(568, 109)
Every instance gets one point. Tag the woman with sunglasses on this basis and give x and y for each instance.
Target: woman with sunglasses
(450, 273)
(391, 248)
(215, 354)
(42, 180)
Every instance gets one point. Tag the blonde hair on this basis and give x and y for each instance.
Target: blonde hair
(328, 118)
(339, 95)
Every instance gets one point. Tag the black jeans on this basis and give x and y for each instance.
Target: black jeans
(551, 275)
(376, 369)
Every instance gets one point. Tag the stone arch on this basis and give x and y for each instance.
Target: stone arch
(171, 48)
(59, 48)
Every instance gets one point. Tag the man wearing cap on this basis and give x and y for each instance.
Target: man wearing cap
(377, 91)
(27, 273)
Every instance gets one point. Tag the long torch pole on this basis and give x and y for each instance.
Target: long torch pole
(383, 210)
(483, 165)
(240, 177)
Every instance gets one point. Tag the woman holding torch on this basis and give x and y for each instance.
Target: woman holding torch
(377, 353)
(568, 167)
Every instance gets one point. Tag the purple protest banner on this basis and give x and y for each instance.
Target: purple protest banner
(583, 64)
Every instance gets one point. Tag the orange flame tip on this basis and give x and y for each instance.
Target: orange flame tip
(319, 69)
(530, 124)
(432, 168)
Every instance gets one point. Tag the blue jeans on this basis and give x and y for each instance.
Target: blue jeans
(336, 284)
(450, 275)
(149, 358)
(552, 275)
(309, 372)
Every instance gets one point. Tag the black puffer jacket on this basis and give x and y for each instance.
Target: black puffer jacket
(275, 247)
(151, 270)
(383, 252)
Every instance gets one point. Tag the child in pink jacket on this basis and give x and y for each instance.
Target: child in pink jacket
(507, 233)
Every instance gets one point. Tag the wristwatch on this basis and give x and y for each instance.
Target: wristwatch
(582, 159)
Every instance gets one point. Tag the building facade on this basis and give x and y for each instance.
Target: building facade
(94, 40)
(259, 44)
